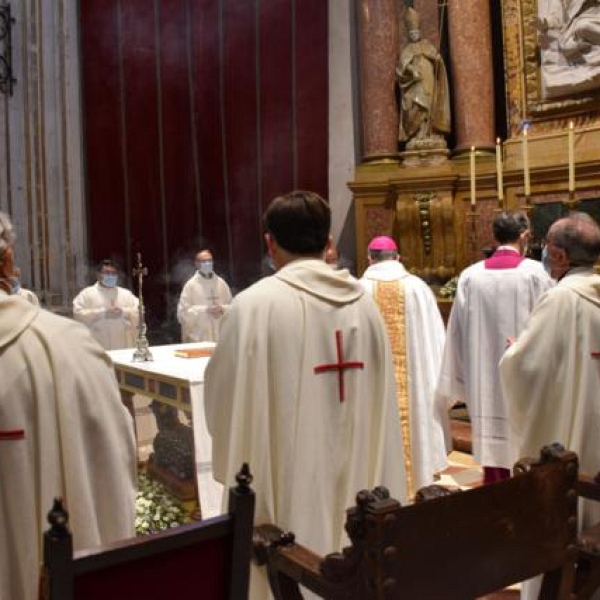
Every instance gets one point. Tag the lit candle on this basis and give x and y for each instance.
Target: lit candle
(571, 158)
(499, 169)
(526, 163)
(472, 157)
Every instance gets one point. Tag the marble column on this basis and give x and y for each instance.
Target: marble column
(473, 78)
(378, 48)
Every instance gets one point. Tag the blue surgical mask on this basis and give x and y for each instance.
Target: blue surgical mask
(545, 263)
(205, 267)
(16, 286)
(109, 280)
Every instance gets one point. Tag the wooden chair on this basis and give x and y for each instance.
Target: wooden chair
(588, 559)
(454, 546)
(207, 559)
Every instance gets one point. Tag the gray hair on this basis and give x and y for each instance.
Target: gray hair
(381, 255)
(579, 236)
(7, 233)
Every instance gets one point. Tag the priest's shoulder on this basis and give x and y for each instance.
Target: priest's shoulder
(49, 323)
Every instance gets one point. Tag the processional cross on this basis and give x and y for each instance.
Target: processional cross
(341, 364)
(142, 351)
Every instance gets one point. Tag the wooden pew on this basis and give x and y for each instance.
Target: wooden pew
(454, 546)
(206, 559)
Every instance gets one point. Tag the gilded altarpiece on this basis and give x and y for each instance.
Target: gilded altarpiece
(392, 199)
(548, 111)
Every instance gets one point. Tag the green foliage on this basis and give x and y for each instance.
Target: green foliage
(448, 290)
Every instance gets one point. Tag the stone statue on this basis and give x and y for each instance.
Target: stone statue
(425, 102)
(569, 39)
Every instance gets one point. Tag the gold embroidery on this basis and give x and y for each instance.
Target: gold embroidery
(389, 296)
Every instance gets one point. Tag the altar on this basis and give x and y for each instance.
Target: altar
(178, 382)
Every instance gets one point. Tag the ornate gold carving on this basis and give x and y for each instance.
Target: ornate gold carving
(528, 89)
(423, 199)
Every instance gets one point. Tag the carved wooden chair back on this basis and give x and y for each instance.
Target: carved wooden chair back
(451, 547)
(206, 559)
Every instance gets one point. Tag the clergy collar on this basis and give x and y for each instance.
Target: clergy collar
(512, 248)
(203, 276)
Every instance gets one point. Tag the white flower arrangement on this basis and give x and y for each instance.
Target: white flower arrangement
(155, 508)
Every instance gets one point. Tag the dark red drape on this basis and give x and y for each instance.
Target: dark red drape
(197, 113)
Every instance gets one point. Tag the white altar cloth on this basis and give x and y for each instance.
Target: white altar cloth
(169, 379)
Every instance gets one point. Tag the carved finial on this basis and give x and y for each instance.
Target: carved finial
(244, 479)
(58, 518)
(381, 492)
(552, 452)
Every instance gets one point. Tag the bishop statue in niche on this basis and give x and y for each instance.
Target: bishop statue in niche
(425, 100)
(569, 39)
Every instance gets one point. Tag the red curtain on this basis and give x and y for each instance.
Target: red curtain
(196, 114)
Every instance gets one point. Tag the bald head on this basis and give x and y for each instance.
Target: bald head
(7, 239)
(7, 233)
(579, 236)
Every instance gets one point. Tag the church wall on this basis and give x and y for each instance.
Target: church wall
(41, 182)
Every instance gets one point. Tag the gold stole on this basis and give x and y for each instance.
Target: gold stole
(389, 296)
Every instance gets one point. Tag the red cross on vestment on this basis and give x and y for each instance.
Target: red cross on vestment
(7, 435)
(341, 365)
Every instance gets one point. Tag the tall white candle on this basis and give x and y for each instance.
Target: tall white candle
(571, 158)
(499, 170)
(472, 161)
(526, 163)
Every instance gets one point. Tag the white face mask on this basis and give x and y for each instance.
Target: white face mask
(109, 280)
(205, 267)
(545, 262)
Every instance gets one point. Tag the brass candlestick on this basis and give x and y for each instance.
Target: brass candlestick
(142, 350)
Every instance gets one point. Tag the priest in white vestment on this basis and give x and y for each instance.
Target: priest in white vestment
(111, 312)
(301, 386)
(493, 299)
(417, 333)
(63, 432)
(204, 299)
(551, 374)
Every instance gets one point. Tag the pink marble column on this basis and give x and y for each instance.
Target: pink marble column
(378, 55)
(472, 73)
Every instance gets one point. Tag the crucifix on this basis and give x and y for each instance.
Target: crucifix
(142, 351)
(341, 364)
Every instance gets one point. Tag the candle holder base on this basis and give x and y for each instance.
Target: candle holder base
(572, 203)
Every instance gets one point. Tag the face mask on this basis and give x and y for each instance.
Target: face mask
(205, 266)
(545, 263)
(16, 286)
(109, 280)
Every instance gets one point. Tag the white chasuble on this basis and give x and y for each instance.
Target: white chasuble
(63, 432)
(416, 332)
(301, 386)
(112, 332)
(551, 380)
(198, 296)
